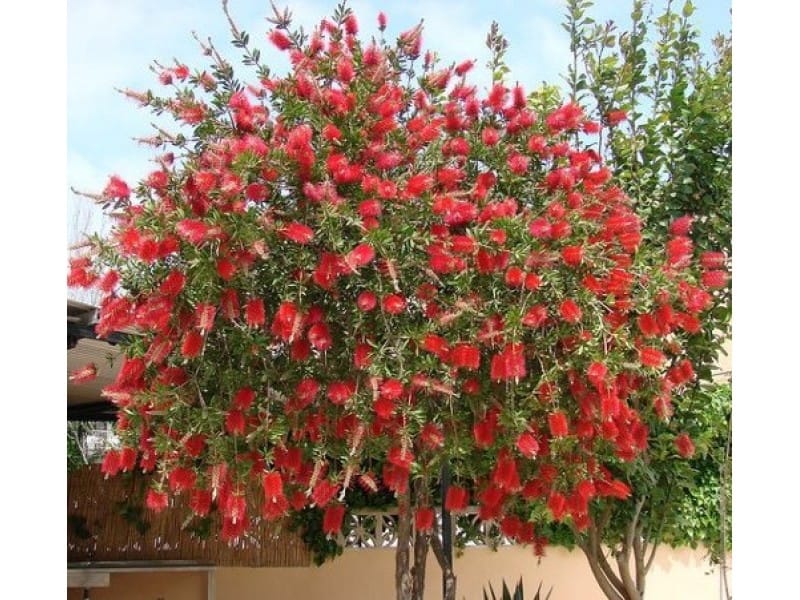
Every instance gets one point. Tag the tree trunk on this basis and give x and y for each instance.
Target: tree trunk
(402, 572)
(447, 568)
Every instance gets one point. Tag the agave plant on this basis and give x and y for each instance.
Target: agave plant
(517, 594)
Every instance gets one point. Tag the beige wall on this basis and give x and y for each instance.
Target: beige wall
(165, 585)
(369, 575)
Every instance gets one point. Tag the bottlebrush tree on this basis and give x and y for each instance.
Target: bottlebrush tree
(352, 273)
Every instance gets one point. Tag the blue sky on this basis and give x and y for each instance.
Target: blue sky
(112, 44)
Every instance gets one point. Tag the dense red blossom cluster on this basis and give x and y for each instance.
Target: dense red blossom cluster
(346, 269)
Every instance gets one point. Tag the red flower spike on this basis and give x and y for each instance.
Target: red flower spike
(86, 373)
(273, 485)
(319, 336)
(509, 363)
(243, 399)
(393, 304)
(423, 519)
(234, 422)
(464, 356)
(181, 479)
(651, 357)
(156, 501)
(527, 444)
(111, 463)
(192, 344)
(557, 421)
(456, 499)
(684, 445)
(323, 492)
(432, 436)
(200, 502)
(570, 311)
(254, 313)
(332, 519)
(366, 301)
(297, 233)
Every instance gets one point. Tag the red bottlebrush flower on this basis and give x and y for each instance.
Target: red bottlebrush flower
(540, 228)
(648, 325)
(535, 316)
(651, 357)
(432, 436)
(235, 422)
(287, 321)
(323, 492)
(108, 282)
(156, 501)
(518, 164)
(418, 185)
(173, 283)
(306, 390)
(423, 519)
(226, 269)
(505, 475)
(557, 421)
(679, 251)
(400, 457)
(615, 117)
(351, 24)
(570, 311)
(243, 399)
(127, 458)
(279, 39)
(360, 256)
(515, 277)
(86, 373)
(366, 301)
(111, 463)
(596, 374)
(195, 444)
(273, 485)
(319, 336)
(435, 344)
(229, 302)
(332, 519)
(200, 502)
(298, 233)
(509, 363)
(181, 479)
(381, 21)
(572, 255)
(192, 344)
(254, 313)
(557, 504)
(117, 188)
(464, 356)
(527, 444)
(483, 432)
(715, 279)
(456, 499)
(712, 260)
(340, 392)
(193, 231)
(383, 407)
(391, 389)
(681, 226)
(362, 356)
(532, 282)
(684, 445)
(490, 136)
(590, 127)
(393, 304)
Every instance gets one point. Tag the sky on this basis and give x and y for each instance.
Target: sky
(111, 45)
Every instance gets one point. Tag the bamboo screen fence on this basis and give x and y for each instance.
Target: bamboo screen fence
(106, 522)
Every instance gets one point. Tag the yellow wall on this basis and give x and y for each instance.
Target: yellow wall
(369, 575)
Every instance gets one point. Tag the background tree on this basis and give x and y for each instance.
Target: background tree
(350, 274)
(669, 143)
